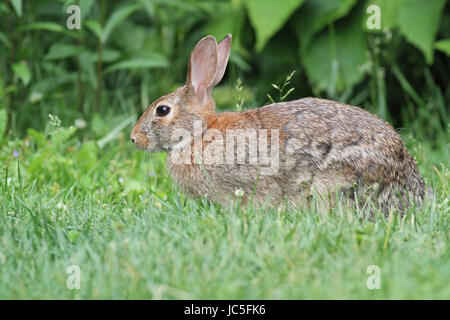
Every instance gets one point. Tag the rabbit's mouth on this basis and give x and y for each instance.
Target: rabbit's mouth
(140, 141)
(152, 148)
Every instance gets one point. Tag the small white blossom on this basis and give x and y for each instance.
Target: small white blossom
(61, 206)
(35, 97)
(80, 123)
(239, 193)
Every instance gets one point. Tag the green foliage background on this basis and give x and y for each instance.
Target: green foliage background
(128, 53)
(73, 190)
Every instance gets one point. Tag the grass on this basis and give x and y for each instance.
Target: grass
(114, 212)
(84, 196)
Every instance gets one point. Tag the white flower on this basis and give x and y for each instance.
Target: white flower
(35, 97)
(80, 123)
(61, 206)
(239, 193)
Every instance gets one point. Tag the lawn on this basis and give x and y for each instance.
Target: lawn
(85, 215)
(113, 211)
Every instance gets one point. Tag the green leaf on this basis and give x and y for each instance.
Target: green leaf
(229, 19)
(46, 26)
(137, 42)
(418, 21)
(315, 15)
(443, 45)
(87, 157)
(85, 6)
(37, 163)
(224, 21)
(95, 27)
(17, 5)
(4, 39)
(188, 6)
(50, 83)
(268, 16)
(21, 70)
(116, 18)
(109, 55)
(38, 138)
(335, 60)
(149, 7)
(388, 12)
(3, 122)
(49, 26)
(62, 51)
(157, 61)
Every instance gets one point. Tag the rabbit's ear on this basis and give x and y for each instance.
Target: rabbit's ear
(223, 53)
(203, 65)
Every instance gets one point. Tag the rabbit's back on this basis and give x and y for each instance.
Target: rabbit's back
(345, 147)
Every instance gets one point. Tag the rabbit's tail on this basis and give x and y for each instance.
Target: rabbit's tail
(398, 196)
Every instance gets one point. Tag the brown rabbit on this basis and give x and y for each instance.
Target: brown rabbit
(314, 145)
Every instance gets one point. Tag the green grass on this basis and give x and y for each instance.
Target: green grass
(115, 213)
(86, 197)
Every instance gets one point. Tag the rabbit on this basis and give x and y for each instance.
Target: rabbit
(317, 146)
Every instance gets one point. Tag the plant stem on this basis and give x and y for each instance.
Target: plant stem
(12, 58)
(100, 58)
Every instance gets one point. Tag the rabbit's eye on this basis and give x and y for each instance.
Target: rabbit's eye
(162, 111)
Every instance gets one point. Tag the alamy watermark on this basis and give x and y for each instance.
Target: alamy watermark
(374, 20)
(234, 146)
(74, 20)
(374, 280)
(74, 279)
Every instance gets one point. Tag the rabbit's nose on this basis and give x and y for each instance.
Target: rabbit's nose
(139, 140)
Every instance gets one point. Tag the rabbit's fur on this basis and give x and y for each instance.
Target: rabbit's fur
(323, 146)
